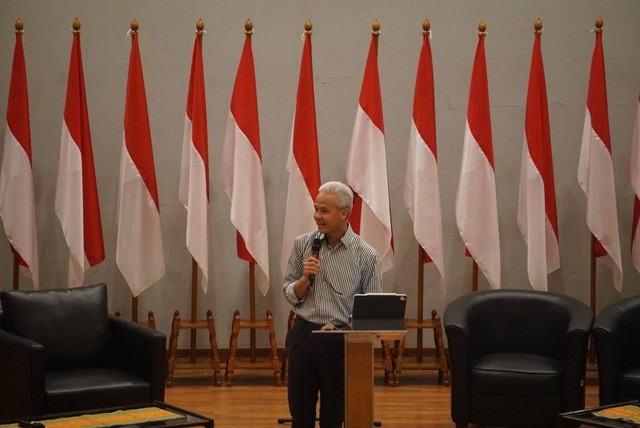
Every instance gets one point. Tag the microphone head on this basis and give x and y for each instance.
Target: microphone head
(315, 247)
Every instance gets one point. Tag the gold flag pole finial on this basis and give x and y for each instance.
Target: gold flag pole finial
(599, 24)
(134, 25)
(308, 26)
(376, 27)
(76, 25)
(248, 26)
(482, 27)
(426, 26)
(200, 26)
(537, 25)
(19, 25)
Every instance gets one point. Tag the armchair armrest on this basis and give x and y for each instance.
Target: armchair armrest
(615, 336)
(141, 351)
(455, 321)
(22, 372)
(577, 340)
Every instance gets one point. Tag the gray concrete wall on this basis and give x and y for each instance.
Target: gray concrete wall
(342, 30)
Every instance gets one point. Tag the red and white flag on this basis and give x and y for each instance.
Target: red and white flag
(303, 163)
(241, 170)
(367, 166)
(194, 168)
(634, 168)
(17, 206)
(76, 202)
(537, 216)
(139, 252)
(422, 188)
(595, 171)
(476, 200)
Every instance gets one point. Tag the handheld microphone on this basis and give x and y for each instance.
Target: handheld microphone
(315, 252)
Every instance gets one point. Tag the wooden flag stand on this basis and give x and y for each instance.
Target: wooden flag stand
(194, 324)
(440, 363)
(252, 325)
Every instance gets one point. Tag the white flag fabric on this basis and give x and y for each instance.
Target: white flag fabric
(595, 170)
(422, 188)
(367, 166)
(76, 192)
(194, 167)
(139, 251)
(17, 205)
(303, 163)
(476, 199)
(634, 168)
(537, 215)
(241, 170)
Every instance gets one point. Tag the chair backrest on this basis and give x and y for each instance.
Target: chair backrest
(519, 321)
(71, 324)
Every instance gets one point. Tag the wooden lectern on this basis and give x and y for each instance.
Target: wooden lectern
(358, 371)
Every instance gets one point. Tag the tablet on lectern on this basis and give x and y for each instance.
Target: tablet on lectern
(378, 311)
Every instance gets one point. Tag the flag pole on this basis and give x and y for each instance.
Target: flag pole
(252, 309)
(421, 254)
(194, 306)
(474, 276)
(482, 28)
(16, 266)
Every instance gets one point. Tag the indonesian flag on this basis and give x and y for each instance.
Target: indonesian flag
(17, 206)
(76, 193)
(476, 200)
(422, 188)
(194, 168)
(241, 170)
(537, 215)
(303, 163)
(139, 253)
(595, 171)
(634, 164)
(367, 166)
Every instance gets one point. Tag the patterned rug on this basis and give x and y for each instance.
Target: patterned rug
(110, 419)
(629, 413)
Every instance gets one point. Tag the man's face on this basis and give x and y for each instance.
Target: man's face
(327, 215)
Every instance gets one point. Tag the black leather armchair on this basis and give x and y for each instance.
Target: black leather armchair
(60, 351)
(518, 358)
(615, 333)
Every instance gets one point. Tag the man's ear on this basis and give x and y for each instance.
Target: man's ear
(345, 213)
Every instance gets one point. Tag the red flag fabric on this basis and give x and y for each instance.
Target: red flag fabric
(537, 215)
(241, 170)
(476, 200)
(595, 171)
(17, 205)
(634, 168)
(303, 163)
(139, 252)
(422, 188)
(76, 202)
(367, 166)
(194, 168)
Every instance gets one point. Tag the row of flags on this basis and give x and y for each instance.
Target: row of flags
(139, 250)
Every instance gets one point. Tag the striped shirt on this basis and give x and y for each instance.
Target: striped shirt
(350, 268)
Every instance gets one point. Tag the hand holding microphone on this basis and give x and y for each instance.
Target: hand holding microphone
(315, 252)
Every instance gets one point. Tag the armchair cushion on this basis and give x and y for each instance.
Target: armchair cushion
(523, 375)
(71, 324)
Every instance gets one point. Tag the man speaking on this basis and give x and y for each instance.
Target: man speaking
(326, 268)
